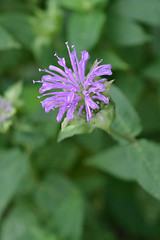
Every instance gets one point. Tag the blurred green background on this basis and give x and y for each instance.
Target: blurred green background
(47, 191)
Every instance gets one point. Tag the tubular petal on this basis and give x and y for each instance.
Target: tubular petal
(74, 91)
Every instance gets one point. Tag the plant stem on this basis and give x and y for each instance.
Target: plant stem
(127, 138)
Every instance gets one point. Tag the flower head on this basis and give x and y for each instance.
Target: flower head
(70, 89)
(5, 109)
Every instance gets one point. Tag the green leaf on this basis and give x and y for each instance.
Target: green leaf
(29, 97)
(13, 167)
(126, 199)
(95, 141)
(124, 32)
(129, 81)
(139, 162)
(69, 217)
(8, 65)
(63, 203)
(70, 152)
(82, 4)
(142, 10)
(7, 41)
(29, 138)
(110, 57)
(46, 24)
(52, 192)
(159, 95)
(104, 118)
(48, 21)
(95, 229)
(126, 122)
(5, 125)
(152, 71)
(15, 23)
(22, 223)
(76, 126)
(91, 183)
(33, 131)
(155, 44)
(150, 121)
(84, 29)
(14, 92)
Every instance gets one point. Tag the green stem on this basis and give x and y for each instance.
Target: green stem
(127, 138)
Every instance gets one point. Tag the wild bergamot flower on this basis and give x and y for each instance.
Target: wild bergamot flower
(74, 90)
(6, 109)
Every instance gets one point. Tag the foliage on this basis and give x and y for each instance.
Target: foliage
(100, 181)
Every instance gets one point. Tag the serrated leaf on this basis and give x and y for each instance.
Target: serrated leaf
(84, 29)
(139, 162)
(13, 167)
(127, 121)
(7, 41)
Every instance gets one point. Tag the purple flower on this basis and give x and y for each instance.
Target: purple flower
(5, 109)
(70, 90)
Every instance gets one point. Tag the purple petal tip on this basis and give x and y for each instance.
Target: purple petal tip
(71, 83)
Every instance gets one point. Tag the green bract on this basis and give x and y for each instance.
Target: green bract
(102, 119)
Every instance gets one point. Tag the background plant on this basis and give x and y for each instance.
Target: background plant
(94, 185)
